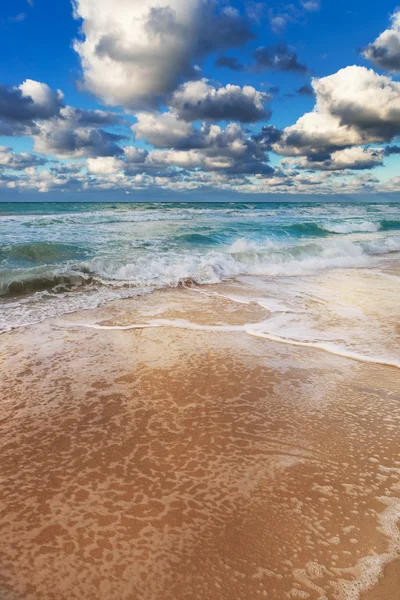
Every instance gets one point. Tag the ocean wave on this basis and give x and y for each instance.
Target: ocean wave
(21, 284)
(172, 268)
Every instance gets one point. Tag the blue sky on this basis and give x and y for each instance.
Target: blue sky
(160, 74)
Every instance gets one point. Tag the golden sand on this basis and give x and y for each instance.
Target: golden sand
(172, 463)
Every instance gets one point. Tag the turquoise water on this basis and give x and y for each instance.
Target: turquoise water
(56, 258)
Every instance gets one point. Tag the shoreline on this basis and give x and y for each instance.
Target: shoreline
(189, 463)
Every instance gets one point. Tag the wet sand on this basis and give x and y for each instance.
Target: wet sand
(173, 463)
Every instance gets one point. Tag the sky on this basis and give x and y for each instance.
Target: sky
(169, 99)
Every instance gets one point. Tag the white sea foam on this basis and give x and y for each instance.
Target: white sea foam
(254, 329)
(352, 227)
(241, 258)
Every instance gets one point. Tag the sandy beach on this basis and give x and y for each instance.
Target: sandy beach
(191, 460)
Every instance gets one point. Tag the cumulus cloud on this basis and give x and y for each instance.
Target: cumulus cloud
(64, 139)
(355, 106)
(135, 156)
(104, 165)
(55, 138)
(31, 100)
(23, 160)
(165, 130)
(23, 106)
(384, 52)
(198, 100)
(135, 53)
(46, 180)
(180, 144)
(355, 158)
(75, 134)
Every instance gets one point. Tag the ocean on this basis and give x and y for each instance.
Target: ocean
(57, 258)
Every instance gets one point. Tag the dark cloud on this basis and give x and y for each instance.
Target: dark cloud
(268, 135)
(91, 118)
(251, 166)
(201, 101)
(15, 129)
(229, 63)
(277, 58)
(356, 159)
(220, 28)
(76, 133)
(59, 138)
(66, 169)
(305, 90)
(389, 150)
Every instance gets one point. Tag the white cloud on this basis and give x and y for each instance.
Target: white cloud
(162, 130)
(104, 165)
(355, 106)
(385, 50)
(42, 96)
(311, 5)
(134, 53)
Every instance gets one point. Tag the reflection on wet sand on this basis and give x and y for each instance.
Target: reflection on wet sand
(175, 463)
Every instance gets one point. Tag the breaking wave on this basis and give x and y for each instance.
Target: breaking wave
(172, 268)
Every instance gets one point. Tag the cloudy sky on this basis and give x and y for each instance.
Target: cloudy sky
(163, 99)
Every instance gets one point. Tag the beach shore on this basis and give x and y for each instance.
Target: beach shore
(154, 450)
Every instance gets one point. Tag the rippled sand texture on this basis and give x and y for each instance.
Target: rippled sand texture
(171, 463)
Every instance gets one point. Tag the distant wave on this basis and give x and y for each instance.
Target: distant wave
(352, 227)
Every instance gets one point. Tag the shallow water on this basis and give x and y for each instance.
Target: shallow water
(156, 449)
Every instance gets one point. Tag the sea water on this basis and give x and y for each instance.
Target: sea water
(314, 266)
